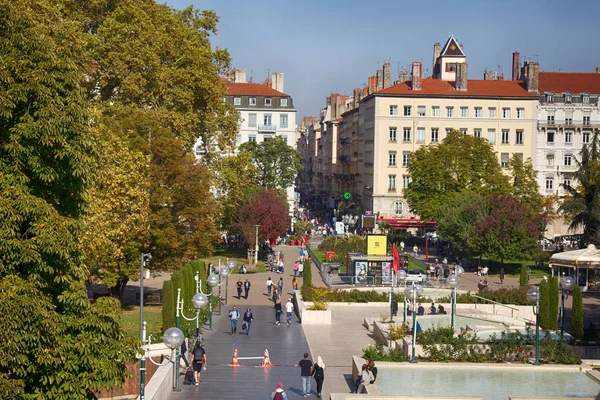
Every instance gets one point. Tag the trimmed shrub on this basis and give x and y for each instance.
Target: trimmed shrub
(504, 296)
(577, 321)
(544, 305)
(307, 273)
(168, 306)
(523, 276)
(553, 295)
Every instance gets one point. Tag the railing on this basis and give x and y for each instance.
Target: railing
(325, 277)
(495, 303)
(267, 128)
(562, 123)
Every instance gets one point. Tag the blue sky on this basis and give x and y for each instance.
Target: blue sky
(330, 46)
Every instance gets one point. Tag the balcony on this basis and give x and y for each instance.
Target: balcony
(567, 124)
(267, 128)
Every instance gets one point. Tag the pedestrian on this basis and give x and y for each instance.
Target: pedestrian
(480, 286)
(269, 286)
(319, 375)
(402, 246)
(248, 318)
(234, 315)
(198, 360)
(395, 307)
(420, 310)
(275, 295)
(305, 366)
(295, 283)
(415, 251)
(301, 269)
(246, 288)
(182, 355)
(277, 310)
(239, 285)
(371, 366)
(364, 378)
(528, 273)
(432, 309)
(502, 275)
(289, 309)
(279, 393)
(280, 286)
(296, 268)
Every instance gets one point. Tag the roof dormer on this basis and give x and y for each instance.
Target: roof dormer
(451, 54)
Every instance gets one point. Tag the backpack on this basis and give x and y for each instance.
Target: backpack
(278, 396)
(198, 354)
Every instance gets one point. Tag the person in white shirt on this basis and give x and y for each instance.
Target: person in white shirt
(289, 309)
(269, 285)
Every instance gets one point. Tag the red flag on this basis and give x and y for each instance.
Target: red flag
(396, 259)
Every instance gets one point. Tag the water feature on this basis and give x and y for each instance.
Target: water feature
(492, 382)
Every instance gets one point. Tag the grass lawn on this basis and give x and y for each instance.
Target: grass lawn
(237, 254)
(513, 268)
(131, 319)
(320, 255)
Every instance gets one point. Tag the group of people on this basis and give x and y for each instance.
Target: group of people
(234, 316)
(366, 376)
(433, 310)
(308, 370)
(245, 286)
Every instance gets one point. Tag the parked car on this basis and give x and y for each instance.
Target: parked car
(415, 275)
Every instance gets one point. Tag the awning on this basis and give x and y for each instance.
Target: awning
(589, 257)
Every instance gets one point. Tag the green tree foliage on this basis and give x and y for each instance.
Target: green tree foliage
(440, 172)
(553, 303)
(577, 320)
(168, 305)
(523, 276)
(307, 273)
(582, 204)
(524, 183)
(302, 227)
(54, 344)
(458, 218)
(277, 163)
(544, 305)
(267, 209)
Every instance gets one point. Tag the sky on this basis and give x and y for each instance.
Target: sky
(332, 46)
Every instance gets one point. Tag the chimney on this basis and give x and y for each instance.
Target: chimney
(239, 76)
(372, 83)
(436, 53)
(356, 97)
(416, 75)
(387, 75)
(462, 47)
(488, 75)
(524, 71)
(501, 77)
(598, 69)
(515, 70)
(277, 81)
(533, 77)
(403, 76)
(462, 72)
(379, 79)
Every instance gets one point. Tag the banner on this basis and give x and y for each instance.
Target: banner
(396, 261)
(376, 245)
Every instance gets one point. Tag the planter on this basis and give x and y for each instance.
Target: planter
(311, 317)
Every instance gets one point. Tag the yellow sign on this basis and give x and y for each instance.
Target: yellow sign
(376, 245)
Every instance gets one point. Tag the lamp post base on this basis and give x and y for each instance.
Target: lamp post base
(413, 361)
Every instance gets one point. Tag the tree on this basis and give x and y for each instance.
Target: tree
(523, 281)
(553, 303)
(509, 231)
(458, 218)
(544, 310)
(582, 204)
(577, 320)
(277, 163)
(440, 172)
(267, 209)
(524, 183)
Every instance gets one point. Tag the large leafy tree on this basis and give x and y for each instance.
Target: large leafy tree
(440, 172)
(582, 204)
(54, 344)
(524, 183)
(277, 163)
(265, 208)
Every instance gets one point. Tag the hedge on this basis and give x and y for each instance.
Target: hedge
(554, 297)
(168, 305)
(544, 305)
(577, 323)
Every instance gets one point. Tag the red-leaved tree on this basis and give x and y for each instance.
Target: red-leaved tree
(267, 209)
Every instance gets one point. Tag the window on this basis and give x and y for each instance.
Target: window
(200, 150)
(266, 138)
(492, 136)
(567, 182)
(504, 160)
(549, 183)
(237, 101)
(505, 136)
(392, 158)
(568, 160)
(393, 132)
(283, 120)
(283, 102)
(421, 111)
(568, 97)
(398, 207)
(450, 67)
(420, 135)
(549, 97)
(393, 110)
(435, 135)
(252, 138)
(568, 137)
(405, 157)
(550, 119)
(477, 132)
(464, 112)
(478, 112)
(586, 119)
(491, 112)
(520, 113)
(448, 130)
(267, 120)
(406, 135)
(506, 113)
(407, 111)
(435, 111)
(585, 97)
(550, 159)
(449, 112)
(568, 121)
(252, 101)
(550, 137)
(391, 182)
(224, 99)
(268, 102)
(252, 120)
(463, 131)
(285, 138)
(519, 137)
(586, 137)
(405, 181)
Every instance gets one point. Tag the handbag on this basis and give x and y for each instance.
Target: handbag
(244, 325)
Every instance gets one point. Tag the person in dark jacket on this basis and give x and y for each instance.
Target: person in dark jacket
(319, 374)
(248, 318)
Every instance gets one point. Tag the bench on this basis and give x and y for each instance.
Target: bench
(150, 298)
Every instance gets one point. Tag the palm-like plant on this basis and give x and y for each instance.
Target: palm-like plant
(582, 204)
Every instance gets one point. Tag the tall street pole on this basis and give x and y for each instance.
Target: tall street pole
(256, 246)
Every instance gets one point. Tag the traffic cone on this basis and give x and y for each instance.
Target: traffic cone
(235, 362)
(266, 359)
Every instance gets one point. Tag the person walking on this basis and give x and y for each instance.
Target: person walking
(277, 310)
(305, 366)
(296, 268)
(182, 354)
(502, 275)
(248, 318)
(247, 285)
(319, 375)
(198, 360)
(269, 286)
(289, 309)
(234, 315)
(295, 283)
(239, 285)
(280, 286)
(279, 393)
(528, 274)
(300, 269)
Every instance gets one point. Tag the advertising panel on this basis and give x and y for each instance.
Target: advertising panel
(376, 245)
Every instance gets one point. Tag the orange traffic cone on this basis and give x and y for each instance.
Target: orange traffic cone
(266, 359)
(235, 362)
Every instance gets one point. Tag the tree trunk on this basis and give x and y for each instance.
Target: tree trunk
(119, 289)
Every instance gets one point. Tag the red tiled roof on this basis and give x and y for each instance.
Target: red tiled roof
(253, 89)
(475, 88)
(574, 82)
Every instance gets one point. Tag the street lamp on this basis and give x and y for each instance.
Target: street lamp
(533, 295)
(224, 274)
(453, 281)
(566, 284)
(172, 338)
(412, 293)
(402, 276)
(212, 280)
(146, 257)
(256, 246)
